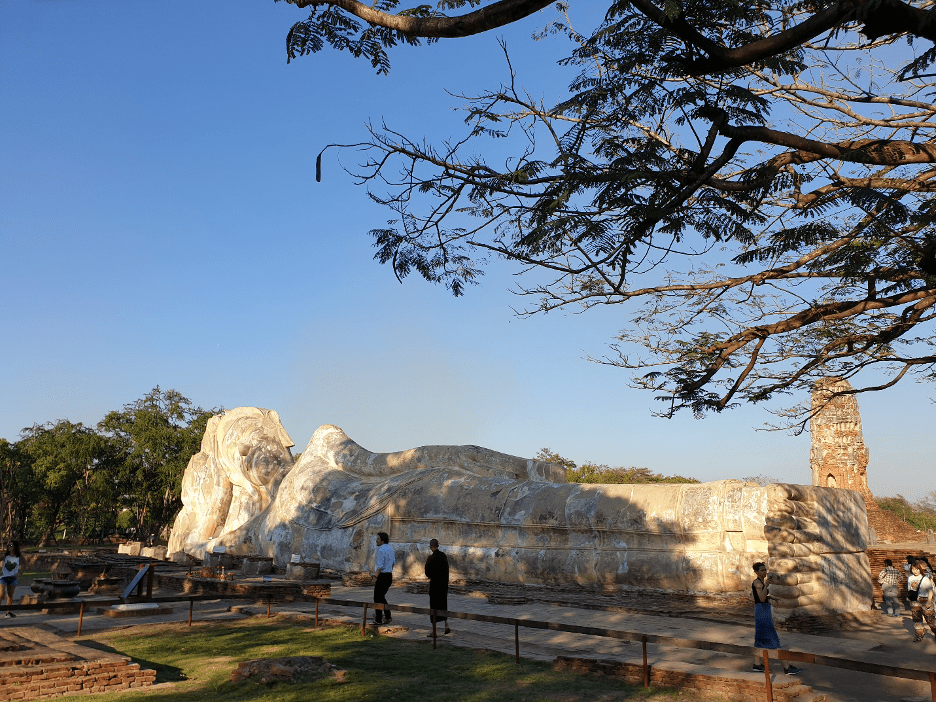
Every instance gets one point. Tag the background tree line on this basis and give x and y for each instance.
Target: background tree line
(124, 473)
(604, 474)
(921, 514)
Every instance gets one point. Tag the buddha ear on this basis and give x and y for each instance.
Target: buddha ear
(273, 424)
(210, 439)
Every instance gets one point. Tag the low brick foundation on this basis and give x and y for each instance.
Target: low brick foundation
(738, 687)
(36, 664)
(313, 590)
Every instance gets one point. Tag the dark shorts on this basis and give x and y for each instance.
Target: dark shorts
(9, 580)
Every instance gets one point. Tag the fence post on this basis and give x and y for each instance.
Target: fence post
(316, 612)
(516, 643)
(767, 676)
(932, 677)
(80, 617)
(149, 581)
(269, 602)
(364, 622)
(646, 670)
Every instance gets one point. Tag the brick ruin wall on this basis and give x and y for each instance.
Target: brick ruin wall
(876, 558)
(839, 458)
(36, 664)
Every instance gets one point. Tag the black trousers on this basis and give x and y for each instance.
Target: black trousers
(438, 598)
(384, 580)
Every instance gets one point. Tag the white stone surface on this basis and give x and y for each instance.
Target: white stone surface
(509, 519)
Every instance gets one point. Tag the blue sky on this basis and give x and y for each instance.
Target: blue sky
(160, 223)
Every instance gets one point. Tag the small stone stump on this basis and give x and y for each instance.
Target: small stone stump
(303, 571)
(257, 565)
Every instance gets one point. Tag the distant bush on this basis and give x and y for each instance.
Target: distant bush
(763, 480)
(922, 514)
(605, 475)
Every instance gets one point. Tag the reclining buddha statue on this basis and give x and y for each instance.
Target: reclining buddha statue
(506, 519)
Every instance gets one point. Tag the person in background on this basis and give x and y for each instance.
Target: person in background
(384, 568)
(890, 579)
(911, 582)
(922, 609)
(437, 570)
(9, 574)
(765, 634)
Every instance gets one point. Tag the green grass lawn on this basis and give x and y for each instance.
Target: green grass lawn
(198, 662)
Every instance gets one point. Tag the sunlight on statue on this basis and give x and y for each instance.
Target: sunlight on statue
(514, 520)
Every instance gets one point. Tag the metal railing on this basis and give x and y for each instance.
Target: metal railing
(517, 623)
(644, 639)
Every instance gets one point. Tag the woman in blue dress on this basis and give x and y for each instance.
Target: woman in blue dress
(765, 635)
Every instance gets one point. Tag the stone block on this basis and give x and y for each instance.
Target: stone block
(303, 571)
(256, 565)
(223, 560)
(156, 552)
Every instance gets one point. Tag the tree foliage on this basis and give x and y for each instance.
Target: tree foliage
(63, 456)
(17, 491)
(154, 438)
(606, 475)
(921, 514)
(753, 179)
(86, 481)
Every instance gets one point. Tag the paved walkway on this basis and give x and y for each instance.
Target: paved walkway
(888, 641)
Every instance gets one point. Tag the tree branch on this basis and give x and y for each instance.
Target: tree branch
(493, 16)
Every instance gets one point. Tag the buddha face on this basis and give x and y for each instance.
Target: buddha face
(265, 461)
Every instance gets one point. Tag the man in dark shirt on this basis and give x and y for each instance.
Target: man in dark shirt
(437, 570)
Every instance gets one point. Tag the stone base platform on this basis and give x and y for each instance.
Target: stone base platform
(36, 664)
(133, 610)
(274, 590)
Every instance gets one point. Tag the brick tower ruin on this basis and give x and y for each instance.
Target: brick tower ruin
(839, 458)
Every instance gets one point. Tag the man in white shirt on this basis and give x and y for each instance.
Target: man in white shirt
(384, 568)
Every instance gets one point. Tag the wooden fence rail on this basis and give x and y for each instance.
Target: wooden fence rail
(81, 605)
(644, 639)
(517, 623)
